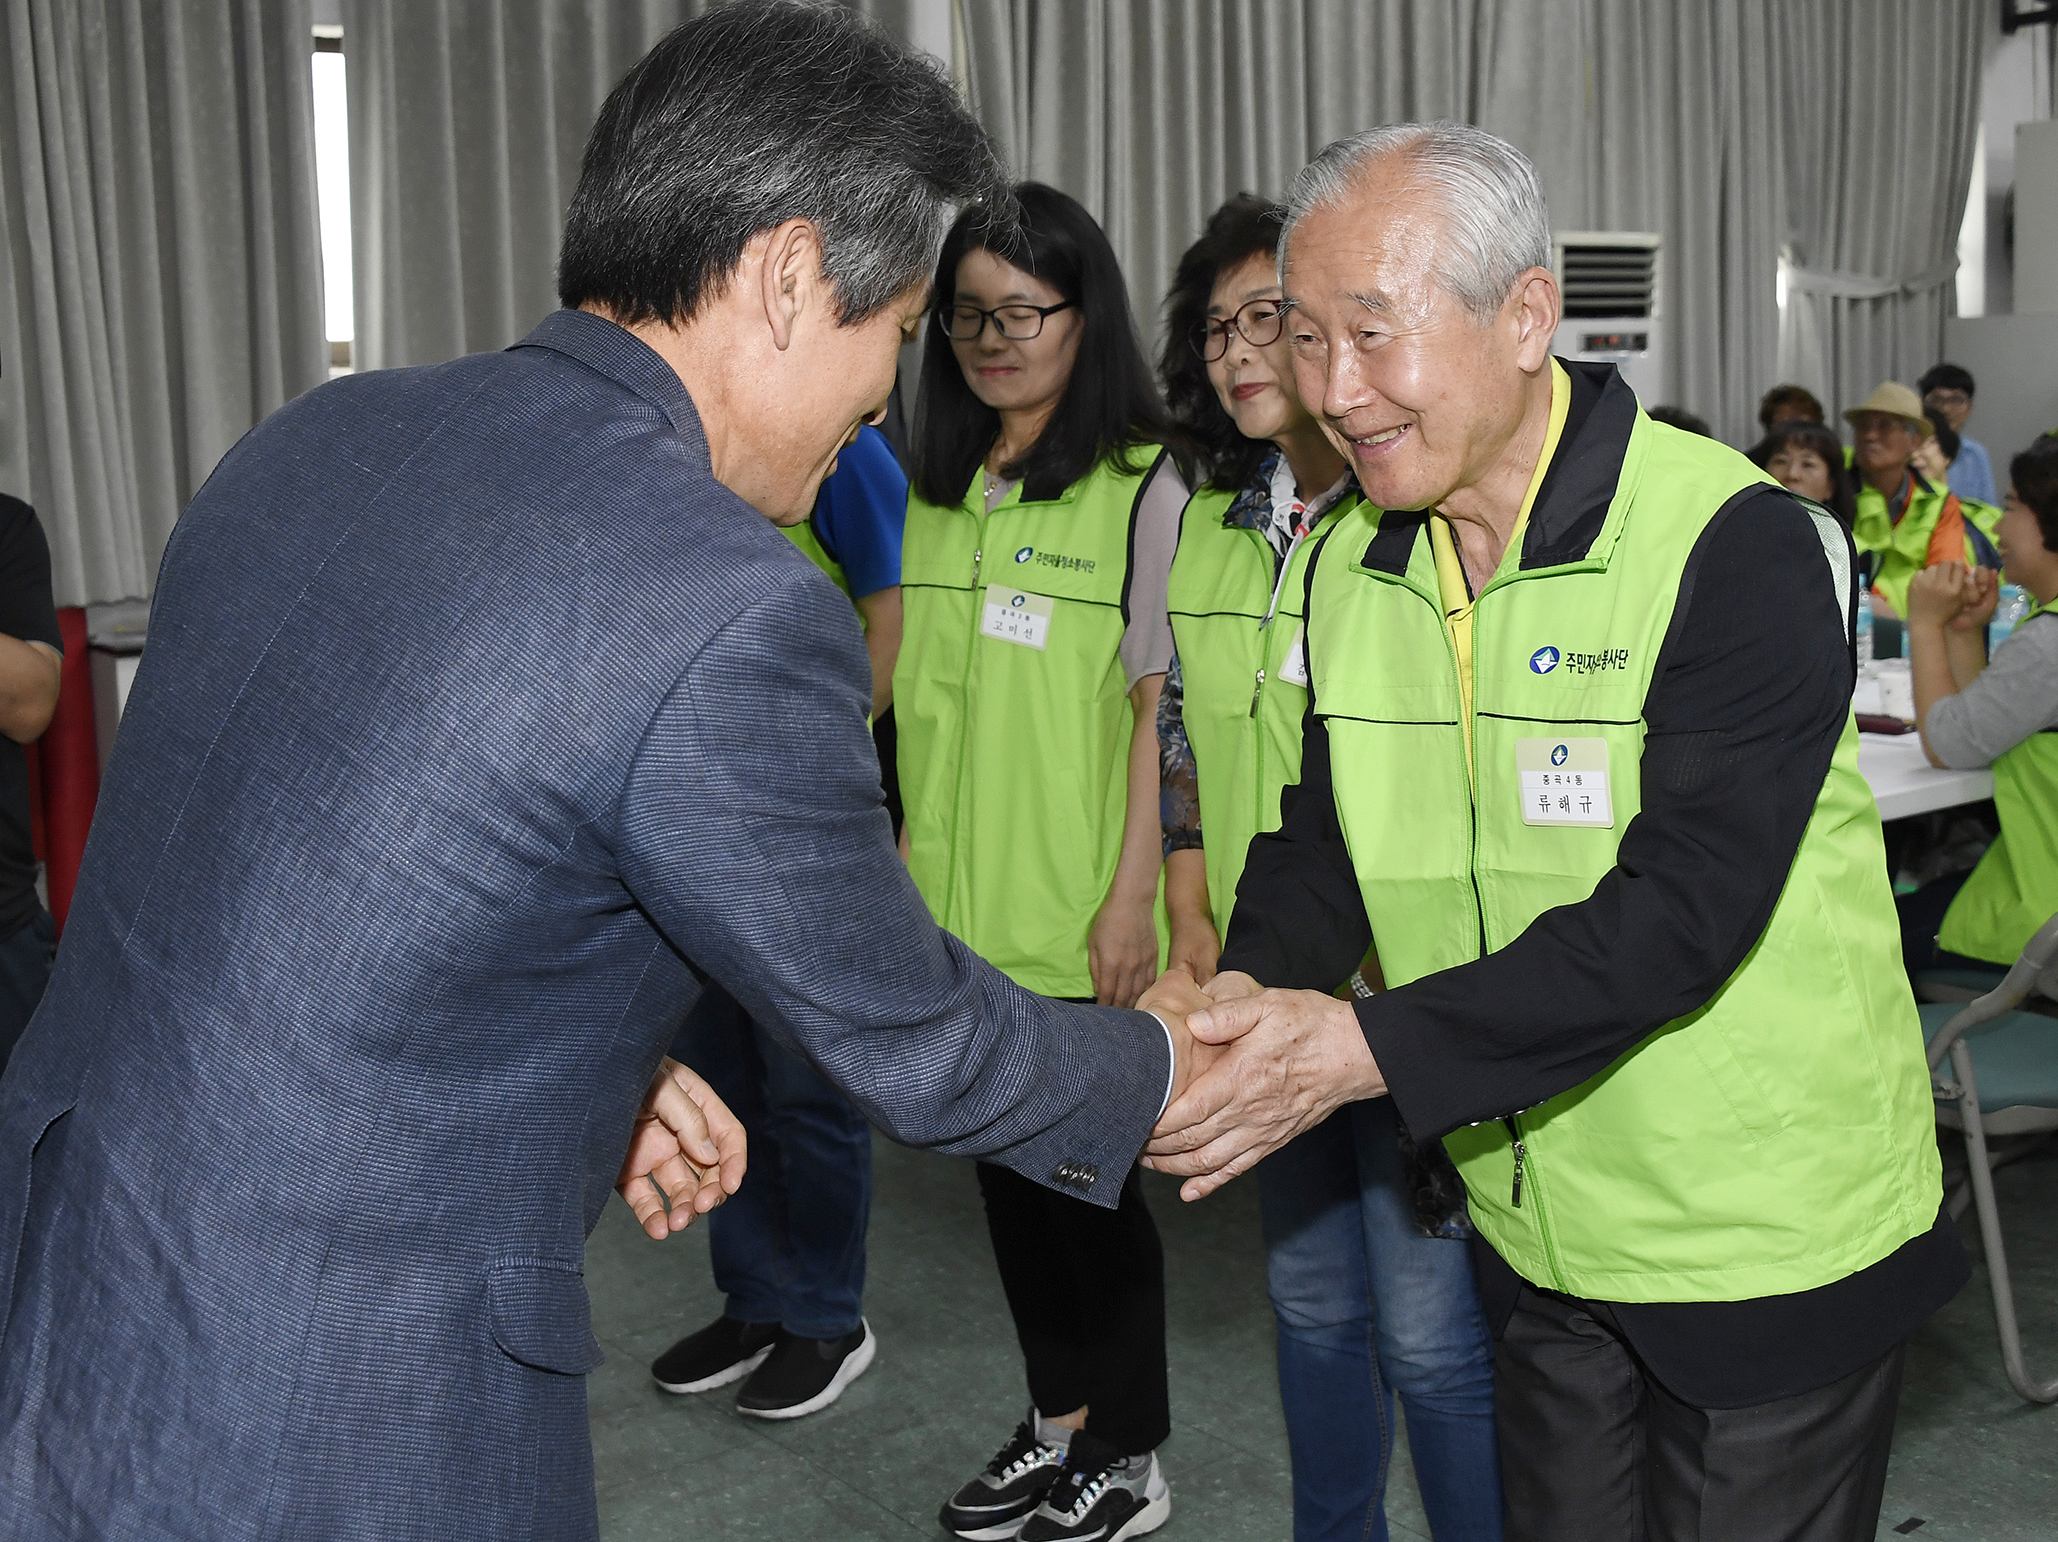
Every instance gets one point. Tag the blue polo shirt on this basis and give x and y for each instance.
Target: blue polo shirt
(860, 512)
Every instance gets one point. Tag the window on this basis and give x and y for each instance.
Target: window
(332, 193)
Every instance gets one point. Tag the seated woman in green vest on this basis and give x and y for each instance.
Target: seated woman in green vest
(2004, 714)
(1905, 522)
(1373, 1292)
(1042, 516)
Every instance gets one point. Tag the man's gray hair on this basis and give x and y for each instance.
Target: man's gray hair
(1496, 223)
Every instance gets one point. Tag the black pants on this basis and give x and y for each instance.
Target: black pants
(1087, 1290)
(1922, 914)
(1593, 1449)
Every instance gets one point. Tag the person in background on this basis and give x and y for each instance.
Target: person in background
(1905, 520)
(1680, 418)
(1041, 523)
(1808, 458)
(789, 1249)
(1371, 1294)
(2004, 714)
(1947, 392)
(1936, 457)
(1788, 404)
(31, 665)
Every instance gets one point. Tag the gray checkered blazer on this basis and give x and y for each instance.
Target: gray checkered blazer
(478, 726)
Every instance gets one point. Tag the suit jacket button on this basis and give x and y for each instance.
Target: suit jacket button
(1086, 1175)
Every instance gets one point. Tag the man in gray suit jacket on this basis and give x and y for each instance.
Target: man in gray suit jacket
(486, 716)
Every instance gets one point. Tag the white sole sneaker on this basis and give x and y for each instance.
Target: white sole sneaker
(854, 1365)
(721, 1378)
(1153, 1515)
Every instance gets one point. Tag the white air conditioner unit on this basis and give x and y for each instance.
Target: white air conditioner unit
(1608, 281)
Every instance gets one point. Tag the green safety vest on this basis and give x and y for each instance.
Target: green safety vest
(808, 539)
(1904, 547)
(1014, 717)
(2014, 890)
(1245, 681)
(1781, 1136)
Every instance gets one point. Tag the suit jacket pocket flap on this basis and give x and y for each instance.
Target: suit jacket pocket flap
(541, 1316)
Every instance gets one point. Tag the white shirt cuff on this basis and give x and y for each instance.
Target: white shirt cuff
(1171, 1064)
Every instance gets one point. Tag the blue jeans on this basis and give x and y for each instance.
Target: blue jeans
(789, 1246)
(1347, 1272)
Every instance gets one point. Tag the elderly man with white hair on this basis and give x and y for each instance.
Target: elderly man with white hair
(1580, 767)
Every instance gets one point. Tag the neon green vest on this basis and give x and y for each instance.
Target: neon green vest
(1903, 548)
(1780, 1137)
(1014, 759)
(808, 539)
(1242, 712)
(2014, 890)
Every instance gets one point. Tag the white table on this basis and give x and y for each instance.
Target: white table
(1904, 782)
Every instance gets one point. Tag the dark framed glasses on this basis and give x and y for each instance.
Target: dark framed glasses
(1018, 323)
(1258, 323)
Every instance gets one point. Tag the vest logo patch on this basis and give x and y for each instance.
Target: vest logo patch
(1546, 659)
(1559, 755)
(1051, 559)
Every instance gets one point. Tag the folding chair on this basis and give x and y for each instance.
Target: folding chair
(2002, 1082)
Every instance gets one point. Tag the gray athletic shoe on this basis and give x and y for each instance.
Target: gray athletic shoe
(993, 1506)
(1101, 1496)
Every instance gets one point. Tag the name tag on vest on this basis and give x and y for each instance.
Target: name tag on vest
(1564, 782)
(1293, 669)
(1016, 616)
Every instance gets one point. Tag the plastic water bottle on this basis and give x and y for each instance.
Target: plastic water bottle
(2009, 609)
(1864, 627)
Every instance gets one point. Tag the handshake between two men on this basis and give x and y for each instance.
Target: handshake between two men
(1251, 1069)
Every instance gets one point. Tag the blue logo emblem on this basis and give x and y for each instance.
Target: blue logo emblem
(1558, 755)
(1025, 554)
(1544, 660)
(1018, 602)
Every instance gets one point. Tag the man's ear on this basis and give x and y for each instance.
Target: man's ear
(790, 277)
(1536, 317)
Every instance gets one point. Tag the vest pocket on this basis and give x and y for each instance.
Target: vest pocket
(540, 1315)
(1757, 1112)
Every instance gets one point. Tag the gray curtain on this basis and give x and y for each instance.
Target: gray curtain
(467, 122)
(1880, 110)
(1640, 115)
(160, 271)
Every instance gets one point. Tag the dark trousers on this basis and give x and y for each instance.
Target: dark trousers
(1593, 1449)
(1087, 1290)
(789, 1246)
(24, 970)
(1922, 916)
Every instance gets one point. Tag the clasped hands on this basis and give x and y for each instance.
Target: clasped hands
(1953, 595)
(1252, 1068)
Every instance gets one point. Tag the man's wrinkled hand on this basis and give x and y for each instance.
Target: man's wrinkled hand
(1269, 1066)
(686, 1153)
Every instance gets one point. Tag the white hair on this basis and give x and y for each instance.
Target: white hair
(1496, 224)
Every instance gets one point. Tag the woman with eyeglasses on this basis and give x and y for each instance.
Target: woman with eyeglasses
(1042, 515)
(1370, 1275)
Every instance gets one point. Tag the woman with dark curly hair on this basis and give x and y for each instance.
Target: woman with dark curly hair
(1370, 1277)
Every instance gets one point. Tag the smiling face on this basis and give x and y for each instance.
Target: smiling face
(1424, 399)
(1255, 384)
(1800, 469)
(1884, 442)
(846, 384)
(2025, 560)
(1027, 376)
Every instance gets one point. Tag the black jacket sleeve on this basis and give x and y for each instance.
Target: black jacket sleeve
(1752, 691)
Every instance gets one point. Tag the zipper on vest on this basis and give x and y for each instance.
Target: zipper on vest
(978, 555)
(1281, 564)
(1515, 1134)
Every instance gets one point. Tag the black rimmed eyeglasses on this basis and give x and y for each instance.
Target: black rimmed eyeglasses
(1259, 323)
(1016, 323)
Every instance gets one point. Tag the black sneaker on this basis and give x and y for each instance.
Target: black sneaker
(802, 1375)
(993, 1506)
(1101, 1496)
(724, 1351)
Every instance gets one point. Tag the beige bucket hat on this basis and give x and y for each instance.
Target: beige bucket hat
(1893, 397)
